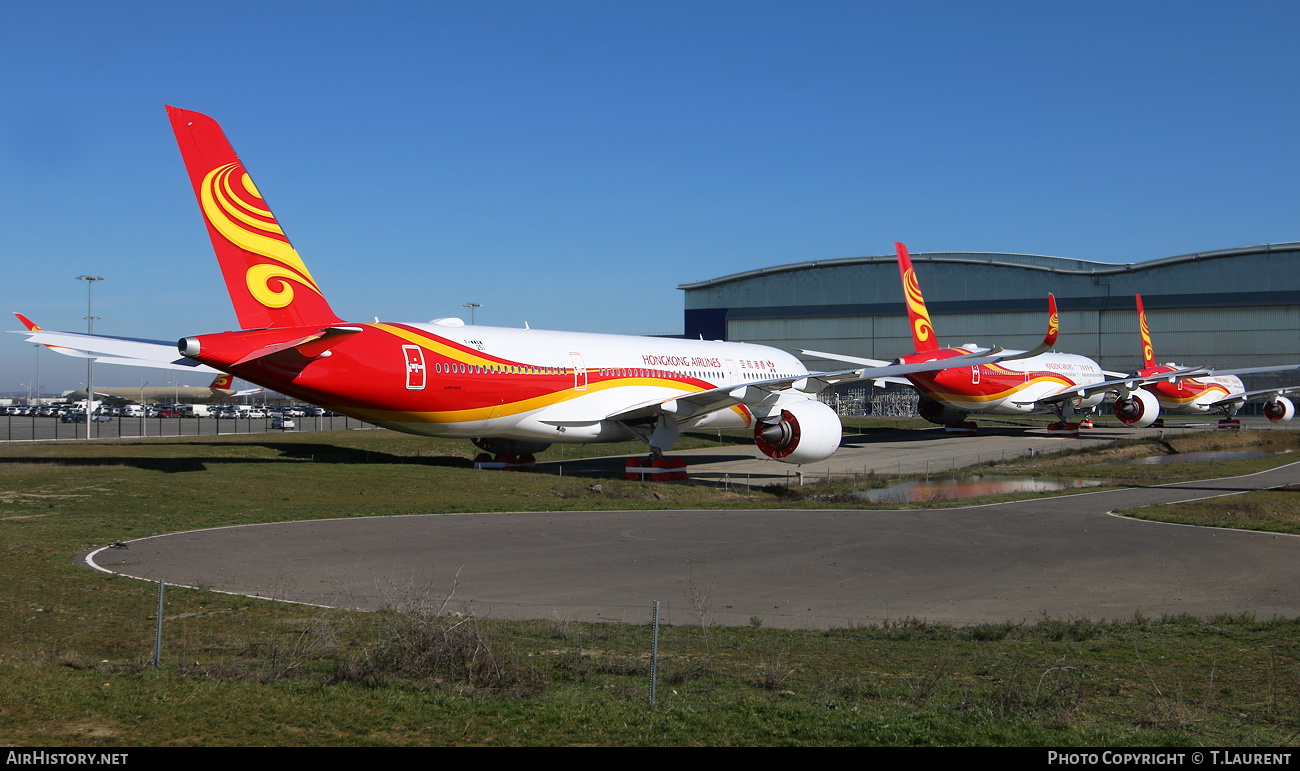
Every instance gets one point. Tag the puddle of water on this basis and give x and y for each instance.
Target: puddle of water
(1199, 457)
(967, 487)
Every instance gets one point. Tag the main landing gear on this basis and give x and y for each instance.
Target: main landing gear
(507, 454)
(655, 468)
(507, 461)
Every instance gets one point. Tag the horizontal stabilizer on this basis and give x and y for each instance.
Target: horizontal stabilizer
(125, 351)
(312, 346)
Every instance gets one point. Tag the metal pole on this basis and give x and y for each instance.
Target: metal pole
(654, 650)
(90, 361)
(157, 640)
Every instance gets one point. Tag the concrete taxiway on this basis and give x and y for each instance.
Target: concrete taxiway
(1059, 557)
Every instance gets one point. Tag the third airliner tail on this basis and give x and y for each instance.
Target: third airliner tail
(922, 331)
(268, 282)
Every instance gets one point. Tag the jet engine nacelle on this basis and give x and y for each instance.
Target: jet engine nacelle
(1280, 409)
(808, 431)
(938, 412)
(1138, 409)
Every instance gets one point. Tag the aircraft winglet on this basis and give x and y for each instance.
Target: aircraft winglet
(32, 326)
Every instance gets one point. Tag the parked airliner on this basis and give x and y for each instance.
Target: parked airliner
(1194, 390)
(513, 391)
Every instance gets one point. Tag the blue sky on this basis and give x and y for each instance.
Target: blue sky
(569, 164)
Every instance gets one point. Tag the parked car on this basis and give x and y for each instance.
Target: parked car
(80, 417)
(282, 423)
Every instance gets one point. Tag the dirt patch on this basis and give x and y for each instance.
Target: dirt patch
(14, 497)
(1268, 441)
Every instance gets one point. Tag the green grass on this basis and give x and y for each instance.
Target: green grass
(74, 643)
(1273, 511)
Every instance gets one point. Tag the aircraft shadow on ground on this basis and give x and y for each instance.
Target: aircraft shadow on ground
(289, 451)
(893, 435)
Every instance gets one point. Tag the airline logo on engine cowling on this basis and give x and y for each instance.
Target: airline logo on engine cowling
(232, 204)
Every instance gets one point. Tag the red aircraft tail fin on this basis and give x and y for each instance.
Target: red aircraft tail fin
(267, 280)
(923, 336)
(223, 382)
(1148, 353)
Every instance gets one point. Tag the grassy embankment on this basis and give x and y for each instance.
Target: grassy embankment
(74, 647)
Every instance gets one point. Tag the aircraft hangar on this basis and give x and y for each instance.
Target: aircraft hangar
(1230, 308)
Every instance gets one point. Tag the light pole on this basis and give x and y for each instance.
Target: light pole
(471, 307)
(38, 372)
(90, 361)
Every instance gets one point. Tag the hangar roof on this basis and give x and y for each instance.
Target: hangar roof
(1025, 261)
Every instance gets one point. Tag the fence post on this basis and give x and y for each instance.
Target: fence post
(654, 650)
(157, 640)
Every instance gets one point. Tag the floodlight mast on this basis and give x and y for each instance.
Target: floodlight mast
(90, 361)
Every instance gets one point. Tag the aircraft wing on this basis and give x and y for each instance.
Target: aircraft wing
(1117, 384)
(887, 372)
(126, 351)
(111, 398)
(1248, 395)
(1251, 370)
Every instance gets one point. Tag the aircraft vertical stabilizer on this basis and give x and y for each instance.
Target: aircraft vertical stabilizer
(267, 280)
(1148, 353)
(923, 336)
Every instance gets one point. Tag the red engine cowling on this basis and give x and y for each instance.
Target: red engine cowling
(1138, 409)
(808, 431)
(938, 412)
(1280, 409)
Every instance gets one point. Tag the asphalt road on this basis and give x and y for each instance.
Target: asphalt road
(1061, 557)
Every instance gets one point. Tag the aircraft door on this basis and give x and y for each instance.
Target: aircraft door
(579, 372)
(415, 369)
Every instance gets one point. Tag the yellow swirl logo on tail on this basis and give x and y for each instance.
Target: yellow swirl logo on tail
(1148, 352)
(922, 330)
(233, 205)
